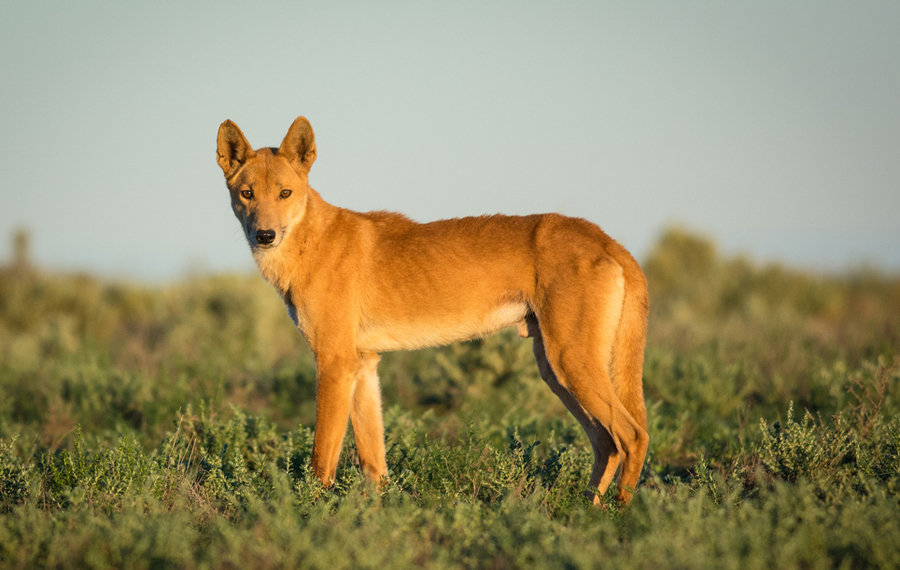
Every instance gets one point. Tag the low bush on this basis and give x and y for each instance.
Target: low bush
(172, 427)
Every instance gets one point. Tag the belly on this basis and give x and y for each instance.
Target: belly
(384, 335)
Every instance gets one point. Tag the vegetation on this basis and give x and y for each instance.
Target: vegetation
(172, 427)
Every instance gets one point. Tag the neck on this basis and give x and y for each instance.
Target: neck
(274, 264)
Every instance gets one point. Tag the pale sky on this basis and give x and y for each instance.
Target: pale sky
(773, 127)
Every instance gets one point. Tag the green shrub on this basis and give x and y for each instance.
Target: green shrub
(172, 426)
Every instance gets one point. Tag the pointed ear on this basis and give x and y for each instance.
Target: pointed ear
(233, 150)
(299, 146)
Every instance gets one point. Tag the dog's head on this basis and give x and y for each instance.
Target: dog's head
(269, 187)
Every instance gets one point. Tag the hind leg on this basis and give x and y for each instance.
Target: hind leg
(615, 435)
(578, 320)
(606, 455)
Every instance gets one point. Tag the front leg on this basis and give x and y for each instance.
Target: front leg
(365, 415)
(336, 376)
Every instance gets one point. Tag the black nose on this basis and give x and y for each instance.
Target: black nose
(265, 237)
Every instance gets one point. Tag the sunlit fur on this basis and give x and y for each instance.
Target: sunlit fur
(357, 284)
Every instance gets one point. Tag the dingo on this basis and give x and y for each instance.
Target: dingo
(357, 284)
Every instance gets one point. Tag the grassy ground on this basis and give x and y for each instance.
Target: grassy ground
(172, 427)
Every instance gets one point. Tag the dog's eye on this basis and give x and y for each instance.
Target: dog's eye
(248, 194)
(285, 193)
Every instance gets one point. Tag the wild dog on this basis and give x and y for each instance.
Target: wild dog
(358, 284)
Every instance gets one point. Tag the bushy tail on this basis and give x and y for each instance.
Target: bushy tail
(628, 347)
